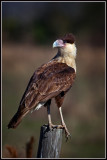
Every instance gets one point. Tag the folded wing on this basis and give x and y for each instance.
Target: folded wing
(47, 82)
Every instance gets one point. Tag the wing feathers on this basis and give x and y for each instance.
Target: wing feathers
(47, 82)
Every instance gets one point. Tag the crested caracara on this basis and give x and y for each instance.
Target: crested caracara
(51, 80)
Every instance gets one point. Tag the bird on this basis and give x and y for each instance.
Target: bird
(51, 80)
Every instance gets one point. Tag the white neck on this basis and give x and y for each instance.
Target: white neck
(67, 55)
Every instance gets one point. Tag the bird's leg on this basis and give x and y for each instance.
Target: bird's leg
(49, 118)
(67, 134)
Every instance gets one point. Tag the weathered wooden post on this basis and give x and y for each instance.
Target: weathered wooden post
(49, 143)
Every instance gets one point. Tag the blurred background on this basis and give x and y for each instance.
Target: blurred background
(28, 32)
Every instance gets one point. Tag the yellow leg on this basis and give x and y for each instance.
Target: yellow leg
(49, 115)
(51, 126)
(62, 126)
(63, 123)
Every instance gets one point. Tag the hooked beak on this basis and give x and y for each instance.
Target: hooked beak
(58, 43)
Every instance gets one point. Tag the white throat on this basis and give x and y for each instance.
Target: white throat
(67, 55)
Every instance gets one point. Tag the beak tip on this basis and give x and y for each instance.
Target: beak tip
(54, 44)
(58, 43)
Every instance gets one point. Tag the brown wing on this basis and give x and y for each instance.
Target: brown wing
(48, 83)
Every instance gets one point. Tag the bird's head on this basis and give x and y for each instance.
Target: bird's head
(66, 45)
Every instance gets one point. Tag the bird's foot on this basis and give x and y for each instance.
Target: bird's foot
(52, 126)
(67, 134)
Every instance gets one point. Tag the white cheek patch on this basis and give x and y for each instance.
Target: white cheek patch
(74, 51)
(69, 51)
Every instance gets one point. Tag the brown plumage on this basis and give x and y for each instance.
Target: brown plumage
(51, 80)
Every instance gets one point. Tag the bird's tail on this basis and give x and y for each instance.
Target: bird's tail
(14, 122)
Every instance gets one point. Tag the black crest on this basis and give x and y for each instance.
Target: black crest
(69, 38)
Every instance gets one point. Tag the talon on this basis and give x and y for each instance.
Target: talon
(67, 134)
(51, 126)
